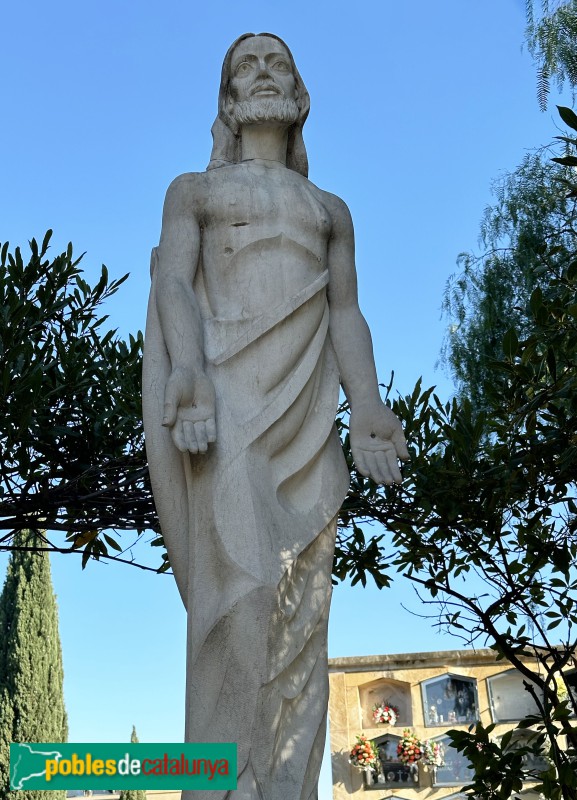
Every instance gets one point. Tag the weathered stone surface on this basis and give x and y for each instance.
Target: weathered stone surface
(253, 320)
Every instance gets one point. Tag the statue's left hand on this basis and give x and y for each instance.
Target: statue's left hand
(377, 443)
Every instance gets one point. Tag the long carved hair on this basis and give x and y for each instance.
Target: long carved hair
(225, 131)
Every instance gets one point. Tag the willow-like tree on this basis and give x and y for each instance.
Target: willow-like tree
(528, 238)
(31, 693)
(552, 38)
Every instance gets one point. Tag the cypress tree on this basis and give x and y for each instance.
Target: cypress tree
(31, 675)
(133, 794)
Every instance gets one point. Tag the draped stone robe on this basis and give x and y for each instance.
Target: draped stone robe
(250, 525)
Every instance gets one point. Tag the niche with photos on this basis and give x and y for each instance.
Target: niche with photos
(456, 770)
(391, 771)
(450, 700)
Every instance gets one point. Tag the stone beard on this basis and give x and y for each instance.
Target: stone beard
(251, 112)
(253, 321)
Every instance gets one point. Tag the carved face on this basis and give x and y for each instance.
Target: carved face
(252, 65)
(261, 70)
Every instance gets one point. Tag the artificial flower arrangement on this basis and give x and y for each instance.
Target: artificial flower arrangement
(410, 748)
(364, 753)
(433, 753)
(385, 713)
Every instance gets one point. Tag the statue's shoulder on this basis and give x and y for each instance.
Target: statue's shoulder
(336, 206)
(185, 193)
(187, 184)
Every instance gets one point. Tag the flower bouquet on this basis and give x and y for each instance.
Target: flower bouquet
(410, 748)
(364, 754)
(385, 714)
(433, 753)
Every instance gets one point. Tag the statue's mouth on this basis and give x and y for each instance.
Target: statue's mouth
(264, 89)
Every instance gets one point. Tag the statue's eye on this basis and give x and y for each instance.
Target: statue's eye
(243, 68)
(281, 66)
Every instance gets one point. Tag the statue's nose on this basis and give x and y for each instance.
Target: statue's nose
(263, 70)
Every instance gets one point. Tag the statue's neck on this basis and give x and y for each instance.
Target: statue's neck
(264, 141)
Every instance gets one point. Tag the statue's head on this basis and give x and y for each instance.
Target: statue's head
(251, 94)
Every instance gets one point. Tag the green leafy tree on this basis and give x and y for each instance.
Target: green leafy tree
(71, 439)
(552, 38)
(485, 522)
(133, 794)
(484, 526)
(31, 695)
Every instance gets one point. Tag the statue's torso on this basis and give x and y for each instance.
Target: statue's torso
(264, 235)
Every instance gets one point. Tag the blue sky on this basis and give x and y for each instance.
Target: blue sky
(415, 109)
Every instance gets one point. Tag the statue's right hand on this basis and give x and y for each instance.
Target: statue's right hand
(190, 411)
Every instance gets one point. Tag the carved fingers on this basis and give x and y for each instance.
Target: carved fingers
(400, 443)
(196, 436)
(172, 397)
(381, 465)
(189, 411)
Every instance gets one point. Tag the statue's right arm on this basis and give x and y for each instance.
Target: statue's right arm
(189, 400)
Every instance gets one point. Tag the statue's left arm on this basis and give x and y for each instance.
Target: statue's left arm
(377, 440)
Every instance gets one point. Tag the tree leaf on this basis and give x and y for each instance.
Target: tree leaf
(84, 538)
(510, 343)
(568, 116)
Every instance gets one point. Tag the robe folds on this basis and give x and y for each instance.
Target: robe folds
(250, 528)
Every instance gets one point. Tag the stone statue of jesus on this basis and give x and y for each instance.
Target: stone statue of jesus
(253, 321)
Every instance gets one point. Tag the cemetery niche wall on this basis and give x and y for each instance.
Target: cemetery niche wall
(400, 708)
